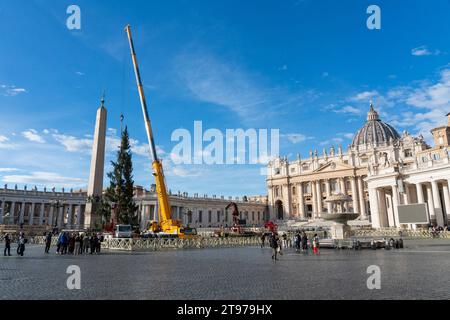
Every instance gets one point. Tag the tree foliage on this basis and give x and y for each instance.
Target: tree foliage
(120, 190)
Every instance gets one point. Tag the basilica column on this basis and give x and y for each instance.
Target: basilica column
(430, 203)
(354, 195)
(301, 201)
(445, 191)
(395, 199)
(362, 201)
(374, 208)
(343, 190)
(437, 203)
(319, 198)
(31, 214)
(328, 190)
(384, 219)
(419, 189)
(314, 198)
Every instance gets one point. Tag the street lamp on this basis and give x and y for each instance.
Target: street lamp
(56, 204)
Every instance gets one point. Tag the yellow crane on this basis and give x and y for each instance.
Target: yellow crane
(166, 225)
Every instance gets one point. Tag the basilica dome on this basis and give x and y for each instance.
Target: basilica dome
(374, 131)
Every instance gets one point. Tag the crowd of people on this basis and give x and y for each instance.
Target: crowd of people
(21, 241)
(75, 243)
(67, 243)
(300, 242)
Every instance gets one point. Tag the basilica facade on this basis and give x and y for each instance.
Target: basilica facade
(379, 171)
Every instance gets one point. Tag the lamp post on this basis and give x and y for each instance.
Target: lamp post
(56, 204)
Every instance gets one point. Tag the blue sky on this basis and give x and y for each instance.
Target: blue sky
(308, 68)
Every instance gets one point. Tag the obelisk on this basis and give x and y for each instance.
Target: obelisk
(95, 186)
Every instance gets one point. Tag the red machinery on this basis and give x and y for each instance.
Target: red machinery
(236, 223)
(271, 226)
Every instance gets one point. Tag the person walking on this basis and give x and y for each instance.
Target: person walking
(274, 245)
(86, 242)
(263, 239)
(98, 244)
(48, 242)
(298, 241)
(65, 242)
(315, 244)
(304, 242)
(92, 243)
(21, 247)
(77, 244)
(59, 243)
(7, 245)
(71, 243)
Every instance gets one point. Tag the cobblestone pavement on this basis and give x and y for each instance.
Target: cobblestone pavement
(419, 271)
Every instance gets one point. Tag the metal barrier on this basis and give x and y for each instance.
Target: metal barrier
(157, 244)
(402, 233)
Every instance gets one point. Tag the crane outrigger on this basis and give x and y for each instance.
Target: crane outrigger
(166, 225)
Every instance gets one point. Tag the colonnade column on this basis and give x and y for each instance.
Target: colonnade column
(328, 189)
(319, 198)
(301, 201)
(2, 211)
(362, 201)
(31, 214)
(41, 214)
(60, 217)
(354, 195)
(50, 216)
(69, 216)
(22, 212)
(78, 215)
(437, 203)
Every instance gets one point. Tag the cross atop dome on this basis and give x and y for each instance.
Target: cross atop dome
(372, 115)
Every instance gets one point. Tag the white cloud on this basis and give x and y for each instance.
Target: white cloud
(296, 137)
(348, 109)
(79, 73)
(11, 90)
(432, 96)
(8, 169)
(424, 51)
(336, 140)
(364, 96)
(224, 84)
(3, 138)
(73, 144)
(45, 179)
(33, 136)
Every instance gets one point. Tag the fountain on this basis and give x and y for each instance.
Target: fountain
(340, 229)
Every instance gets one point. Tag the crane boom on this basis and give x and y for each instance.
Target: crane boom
(166, 223)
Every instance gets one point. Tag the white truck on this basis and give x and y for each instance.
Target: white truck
(123, 231)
